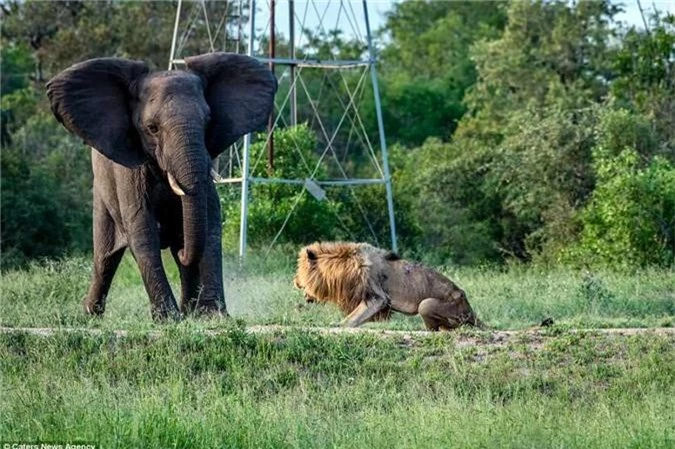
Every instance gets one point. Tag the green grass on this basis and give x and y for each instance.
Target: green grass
(49, 295)
(183, 388)
(187, 390)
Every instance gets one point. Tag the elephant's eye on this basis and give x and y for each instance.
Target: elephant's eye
(153, 129)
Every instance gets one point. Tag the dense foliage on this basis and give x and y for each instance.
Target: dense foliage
(560, 94)
(526, 130)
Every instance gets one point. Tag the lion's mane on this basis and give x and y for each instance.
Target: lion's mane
(337, 272)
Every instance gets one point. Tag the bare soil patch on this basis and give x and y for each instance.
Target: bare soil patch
(486, 339)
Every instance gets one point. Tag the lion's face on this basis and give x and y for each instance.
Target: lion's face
(305, 270)
(332, 272)
(298, 285)
(306, 264)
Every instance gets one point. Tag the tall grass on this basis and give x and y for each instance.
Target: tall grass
(186, 390)
(50, 294)
(182, 388)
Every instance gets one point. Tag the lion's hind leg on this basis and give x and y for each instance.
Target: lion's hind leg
(446, 314)
(437, 314)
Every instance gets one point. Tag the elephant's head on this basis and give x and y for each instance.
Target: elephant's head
(176, 120)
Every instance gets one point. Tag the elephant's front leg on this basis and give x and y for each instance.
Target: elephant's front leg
(144, 243)
(211, 297)
(189, 282)
(202, 284)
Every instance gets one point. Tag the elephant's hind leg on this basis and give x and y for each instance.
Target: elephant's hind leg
(108, 252)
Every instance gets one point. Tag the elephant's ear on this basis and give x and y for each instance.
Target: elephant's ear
(92, 99)
(240, 92)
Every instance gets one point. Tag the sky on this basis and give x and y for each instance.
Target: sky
(350, 15)
(631, 15)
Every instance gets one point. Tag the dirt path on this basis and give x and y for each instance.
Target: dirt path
(533, 337)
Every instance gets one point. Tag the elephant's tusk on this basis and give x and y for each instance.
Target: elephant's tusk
(174, 186)
(216, 177)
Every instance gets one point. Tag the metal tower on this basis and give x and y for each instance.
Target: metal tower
(226, 33)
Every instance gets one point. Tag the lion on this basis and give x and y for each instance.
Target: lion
(368, 283)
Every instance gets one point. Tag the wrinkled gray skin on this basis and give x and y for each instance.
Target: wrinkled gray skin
(154, 136)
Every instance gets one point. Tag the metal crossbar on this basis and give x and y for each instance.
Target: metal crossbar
(312, 63)
(354, 126)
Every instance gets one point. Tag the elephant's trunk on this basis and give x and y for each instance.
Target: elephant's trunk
(191, 172)
(194, 227)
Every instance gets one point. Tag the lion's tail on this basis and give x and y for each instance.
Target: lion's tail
(480, 325)
(474, 321)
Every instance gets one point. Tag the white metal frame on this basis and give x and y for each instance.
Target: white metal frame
(293, 65)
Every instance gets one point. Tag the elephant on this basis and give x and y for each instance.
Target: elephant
(153, 136)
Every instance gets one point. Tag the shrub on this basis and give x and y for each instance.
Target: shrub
(631, 217)
(46, 194)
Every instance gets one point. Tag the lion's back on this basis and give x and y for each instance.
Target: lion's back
(413, 282)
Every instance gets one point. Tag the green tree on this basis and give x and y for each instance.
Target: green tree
(35, 23)
(18, 97)
(543, 173)
(61, 33)
(630, 220)
(520, 162)
(645, 77)
(17, 67)
(46, 193)
(426, 65)
(454, 214)
(551, 53)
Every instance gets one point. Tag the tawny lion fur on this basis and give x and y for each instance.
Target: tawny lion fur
(339, 277)
(351, 274)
